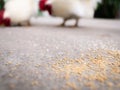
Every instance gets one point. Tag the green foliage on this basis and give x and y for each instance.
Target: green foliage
(1, 4)
(108, 9)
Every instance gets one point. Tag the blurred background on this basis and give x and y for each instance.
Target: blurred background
(109, 9)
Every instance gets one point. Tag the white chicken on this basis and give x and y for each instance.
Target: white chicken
(19, 11)
(69, 9)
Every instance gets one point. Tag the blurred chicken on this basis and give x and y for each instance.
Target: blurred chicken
(69, 9)
(18, 12)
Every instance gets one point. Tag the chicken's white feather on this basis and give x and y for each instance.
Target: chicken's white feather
(80, 8)
(19, 10)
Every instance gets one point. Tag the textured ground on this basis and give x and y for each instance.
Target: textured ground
(48, 57)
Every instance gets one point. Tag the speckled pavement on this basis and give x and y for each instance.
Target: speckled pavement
(48, 57)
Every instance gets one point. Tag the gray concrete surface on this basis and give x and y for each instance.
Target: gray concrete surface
(30, 57)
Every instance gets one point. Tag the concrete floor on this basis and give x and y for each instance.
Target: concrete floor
(48, 57)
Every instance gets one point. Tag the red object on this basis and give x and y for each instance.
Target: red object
(4, 21)
(1, 16)
(44, 7)
(49, 9)
(7, 22)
